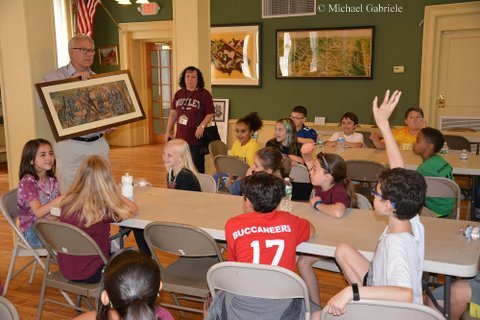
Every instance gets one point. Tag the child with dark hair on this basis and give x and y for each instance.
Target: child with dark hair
(257, 235)
(38, 188)
(271, 161)
(395, 272)
(304, 134)
(428, 144)
(285, 140)
(333, 194)
(349, 121)
(129, 289)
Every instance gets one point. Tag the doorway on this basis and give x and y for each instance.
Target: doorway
(160, 88)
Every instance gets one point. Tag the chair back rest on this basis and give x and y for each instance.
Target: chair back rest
(366, 139)
(257, 280)
(8, 205)
(440, 187)
(363, 202)
(216, 148)
(231, 165)
(181, 240)
(7, 310)
(299, 174)
(66, 239)
(379, 309)
(455, 142)
(207, 183)
(364, 170)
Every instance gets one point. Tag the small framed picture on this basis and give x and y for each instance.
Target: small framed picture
(108, 55)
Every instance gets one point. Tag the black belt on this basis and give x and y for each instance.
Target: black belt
(89, 139)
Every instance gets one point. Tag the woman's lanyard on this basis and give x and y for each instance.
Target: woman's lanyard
(172, 184)
(187, 100)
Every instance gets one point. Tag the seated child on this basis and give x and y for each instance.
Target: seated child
(91, 204)
(333, 194)
(37, 189)
(304, 134)
(428, 144)
(349, 121)
(405, 137)
(285, 140)
(129, 289)
(395, 273)
(181, 172)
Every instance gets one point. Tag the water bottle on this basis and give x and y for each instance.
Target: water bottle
(127, 186)
(445, 148)
(286, 204)
(320, 143)
(340, 143)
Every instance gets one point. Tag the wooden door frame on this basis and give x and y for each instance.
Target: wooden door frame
(431, 52)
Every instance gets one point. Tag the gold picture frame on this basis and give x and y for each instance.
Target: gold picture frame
(235, 55)
(74, 107)
(108, 55)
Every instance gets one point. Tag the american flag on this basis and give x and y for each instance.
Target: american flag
(85, 14)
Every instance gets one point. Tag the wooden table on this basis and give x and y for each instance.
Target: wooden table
(446, 251)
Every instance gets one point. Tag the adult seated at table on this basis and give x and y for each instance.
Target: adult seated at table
(428, 144)
(407, 136)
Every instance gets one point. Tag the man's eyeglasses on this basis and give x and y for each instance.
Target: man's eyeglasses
(85, 50)
(374, 192)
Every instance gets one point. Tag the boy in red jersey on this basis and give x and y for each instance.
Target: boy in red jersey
(262, 234)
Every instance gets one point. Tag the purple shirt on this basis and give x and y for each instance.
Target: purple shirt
(336, 194)
(30, 189)
(83, 267)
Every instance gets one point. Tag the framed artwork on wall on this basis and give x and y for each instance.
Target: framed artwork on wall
(344, 53)
(108, 55)
(235, 55)
(74, 107)
(221, 117)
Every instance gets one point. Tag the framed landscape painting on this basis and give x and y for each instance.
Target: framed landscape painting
(235, 55)
(345, 53)
(75, 107)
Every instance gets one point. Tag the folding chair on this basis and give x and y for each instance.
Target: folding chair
(230, 165)
(363, 202)
(7, 310)
(69, 240)
(216, 148)
(197, 252)
(258, 281)
(302, 187)
(366, 172)
(366, 139)
(444, 188)
(380, 310)
(21, 247)
(207, 183)
(455, 142)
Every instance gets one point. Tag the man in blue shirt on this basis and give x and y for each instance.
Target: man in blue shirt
(304, 134)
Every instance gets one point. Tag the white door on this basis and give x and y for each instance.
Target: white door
(450, 83)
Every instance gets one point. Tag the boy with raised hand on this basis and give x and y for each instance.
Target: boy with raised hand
(428, 144)
(395, 272)
(262, 234)
(304, 134)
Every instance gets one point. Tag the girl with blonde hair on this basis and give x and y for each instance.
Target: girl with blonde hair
(91, 204)
(181, 172)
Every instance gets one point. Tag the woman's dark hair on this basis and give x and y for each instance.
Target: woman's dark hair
(201, 82)
(350, 115)
(263, 190)
(271, 158)
(252, 120)
(131, 280)
(337, 168)
(406, 189)
(27, 163)
(435, 137)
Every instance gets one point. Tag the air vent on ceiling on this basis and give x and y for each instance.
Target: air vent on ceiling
(288, 8)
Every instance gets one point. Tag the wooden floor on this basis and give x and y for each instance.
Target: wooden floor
(145, 162)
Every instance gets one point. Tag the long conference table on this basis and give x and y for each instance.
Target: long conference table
(446, 250)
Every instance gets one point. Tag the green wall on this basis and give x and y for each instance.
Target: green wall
(105, 32)
(398, 41)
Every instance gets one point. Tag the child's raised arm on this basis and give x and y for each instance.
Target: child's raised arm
(381, 115)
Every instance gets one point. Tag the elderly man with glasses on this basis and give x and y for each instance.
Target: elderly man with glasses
(69, 153)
